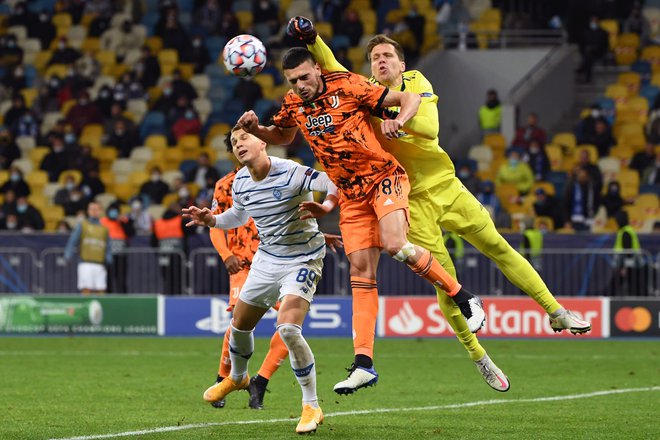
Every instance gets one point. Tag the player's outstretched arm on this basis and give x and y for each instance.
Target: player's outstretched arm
(272, 134)
(409, 103)
(302, 28)
(230, 219)
(198, 217)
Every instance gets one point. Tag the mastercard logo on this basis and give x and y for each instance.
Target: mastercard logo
(637, 319)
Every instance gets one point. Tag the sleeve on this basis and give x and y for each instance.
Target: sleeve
(73, 241)
(219, 241)
(322, 183)
(324, 56)
(425, 123)
(282, 118)
(232, 218)
(367, 94)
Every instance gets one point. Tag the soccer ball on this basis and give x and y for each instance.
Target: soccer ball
(244, 55)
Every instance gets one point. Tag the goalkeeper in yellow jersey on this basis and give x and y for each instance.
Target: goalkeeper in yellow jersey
(437, 198)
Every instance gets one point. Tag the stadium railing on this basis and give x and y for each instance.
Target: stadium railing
(574, 272)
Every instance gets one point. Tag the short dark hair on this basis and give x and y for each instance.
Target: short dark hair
(384, 39)
(230, 147)
(295, 56)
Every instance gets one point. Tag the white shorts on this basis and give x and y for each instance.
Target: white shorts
(91, 276)
(268, 282)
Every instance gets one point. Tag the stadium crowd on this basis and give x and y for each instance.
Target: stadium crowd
(128, 102)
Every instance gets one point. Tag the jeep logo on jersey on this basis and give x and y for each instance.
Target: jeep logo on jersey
(318, 121)
(277, 194)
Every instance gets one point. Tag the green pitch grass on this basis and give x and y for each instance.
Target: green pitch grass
(92, 387)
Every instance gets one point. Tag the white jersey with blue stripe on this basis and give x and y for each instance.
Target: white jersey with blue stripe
(273, 205)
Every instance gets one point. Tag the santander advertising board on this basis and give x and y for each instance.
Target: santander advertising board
(505, 317)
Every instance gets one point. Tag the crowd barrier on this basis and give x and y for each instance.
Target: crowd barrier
(567, 272)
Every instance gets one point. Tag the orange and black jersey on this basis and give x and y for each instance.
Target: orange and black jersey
(244, 240)
(336, 125)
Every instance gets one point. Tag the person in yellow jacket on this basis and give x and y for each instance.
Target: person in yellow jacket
(437, 198)
(92, 240)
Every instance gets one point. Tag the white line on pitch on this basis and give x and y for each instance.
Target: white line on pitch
(365, 411)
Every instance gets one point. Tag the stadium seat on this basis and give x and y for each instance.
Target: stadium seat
(543, 220)
(555, 156)
(156, 211)
(618, 92)
(137, 178)
(201, 83)
(632, 80)
(62, 19)
(173, 157)
(171, 176)
(75, 174)
(52, 214)
(106, 156)
(37, 180)
(92, 134)
(37, 155)
(591, 149)
(153, 123)
(652, 55)
(137, 108)
(629, 181)
(496, 141)
(105, 199)
(24, 164)
(25, 143)
(483, 154)
(124, 191)
(548, 187)
(156, 141)
(612, 28)
(635, 109)
(565, 139)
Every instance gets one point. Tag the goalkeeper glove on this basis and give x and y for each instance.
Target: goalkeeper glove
(302, 29)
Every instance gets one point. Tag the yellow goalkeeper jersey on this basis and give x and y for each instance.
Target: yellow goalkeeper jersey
(417, 148)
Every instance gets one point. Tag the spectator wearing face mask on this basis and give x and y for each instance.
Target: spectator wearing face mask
(585, 132)
(147, 69)
(489, 200)
(490, 114)
(64, 54)
(29, 217)
(10, 54)
(537, 159)
(63, 227)
(166, 102)
(155, 188)
(612, 200)
(515, 172)
(465, 174)
(91, 184)
(16, 183)
(122, 139)
(10, 223)
(9, 151)
(55, 162)
(14, 80)
(593, 47)
(120, 230)
(45, 31)
(198, 55)
(186, 120)
(71, 144)
(63, 195)
(584, 161)
(142, 221)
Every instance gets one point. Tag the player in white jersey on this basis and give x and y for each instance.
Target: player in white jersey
(286, 267)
